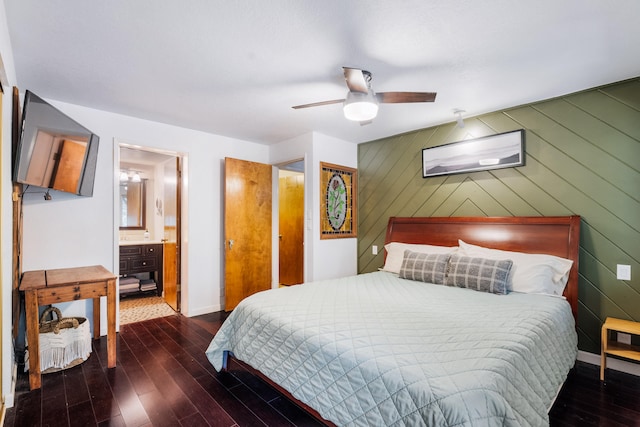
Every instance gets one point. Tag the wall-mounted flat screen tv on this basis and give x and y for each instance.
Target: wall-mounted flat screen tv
(54, 150)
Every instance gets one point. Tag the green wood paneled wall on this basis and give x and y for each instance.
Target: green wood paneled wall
(582, 157)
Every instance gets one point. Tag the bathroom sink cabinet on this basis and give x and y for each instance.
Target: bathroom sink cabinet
(143, 258)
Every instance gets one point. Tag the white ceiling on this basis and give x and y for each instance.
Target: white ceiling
(235, 68)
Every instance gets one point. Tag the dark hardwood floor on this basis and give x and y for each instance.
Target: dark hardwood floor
(163, 378)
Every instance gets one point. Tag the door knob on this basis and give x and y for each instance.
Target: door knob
(230, 243)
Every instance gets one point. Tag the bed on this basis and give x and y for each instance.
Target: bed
(393, 348)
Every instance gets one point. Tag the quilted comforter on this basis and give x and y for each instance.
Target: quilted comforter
(376, 350)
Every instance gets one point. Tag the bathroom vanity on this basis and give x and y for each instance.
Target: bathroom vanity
(137, 258)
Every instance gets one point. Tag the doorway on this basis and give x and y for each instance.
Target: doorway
(149, 232)
(291, 223)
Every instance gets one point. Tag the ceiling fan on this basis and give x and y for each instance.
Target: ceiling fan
(361, 103)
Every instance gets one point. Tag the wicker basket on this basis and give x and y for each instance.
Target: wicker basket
(54, 325)
(64, 342)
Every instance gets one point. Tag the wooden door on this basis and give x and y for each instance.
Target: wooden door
(171, 248)
(247, 229)
(291, 223)
(170, 274)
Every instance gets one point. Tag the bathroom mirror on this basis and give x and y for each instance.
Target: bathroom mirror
(133, 201)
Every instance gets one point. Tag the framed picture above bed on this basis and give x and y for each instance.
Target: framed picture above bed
(338, 192)
(503, 150)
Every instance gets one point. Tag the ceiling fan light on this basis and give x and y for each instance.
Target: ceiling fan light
(360, 107)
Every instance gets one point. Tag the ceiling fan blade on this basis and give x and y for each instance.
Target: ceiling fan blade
(355, 80)
(399, 97)
(317, 104)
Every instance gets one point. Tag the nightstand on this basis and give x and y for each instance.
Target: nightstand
(614, 347)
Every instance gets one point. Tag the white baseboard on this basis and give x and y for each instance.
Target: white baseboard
(9, 399)
(616, 364)
(203, 310)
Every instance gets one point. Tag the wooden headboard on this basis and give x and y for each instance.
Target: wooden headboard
(553, 235)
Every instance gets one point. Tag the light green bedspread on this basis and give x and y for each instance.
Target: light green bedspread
(376, 350)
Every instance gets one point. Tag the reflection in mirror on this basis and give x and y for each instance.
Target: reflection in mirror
(133, 205)
(56, 161)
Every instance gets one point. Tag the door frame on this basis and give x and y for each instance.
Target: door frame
(276, 215)
(184, 198)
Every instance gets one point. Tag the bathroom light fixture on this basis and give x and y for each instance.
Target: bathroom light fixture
(136, 177)
(459, 112)
(360, 107)
(124, 176)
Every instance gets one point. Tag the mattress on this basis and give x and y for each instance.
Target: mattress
(375, 349)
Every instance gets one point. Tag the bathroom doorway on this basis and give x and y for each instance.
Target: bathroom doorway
(149, 232)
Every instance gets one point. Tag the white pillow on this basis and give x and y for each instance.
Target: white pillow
(395, 253)
(531, 273)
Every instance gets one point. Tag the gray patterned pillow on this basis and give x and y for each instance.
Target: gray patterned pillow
(430, 268)
(480, 274)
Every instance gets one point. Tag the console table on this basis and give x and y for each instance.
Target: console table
(44, 287)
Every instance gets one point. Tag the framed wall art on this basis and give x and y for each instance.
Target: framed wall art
(338, 192)
(503, 150)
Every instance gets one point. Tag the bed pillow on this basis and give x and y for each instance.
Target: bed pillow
(531, 273)
(430, 268)
(480, 274)
(395, 253)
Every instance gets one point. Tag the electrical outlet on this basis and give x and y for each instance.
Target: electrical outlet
(624, 272)
(374, 249)
(624, 338)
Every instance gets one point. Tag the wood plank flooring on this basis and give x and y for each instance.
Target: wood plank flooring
(163, 378)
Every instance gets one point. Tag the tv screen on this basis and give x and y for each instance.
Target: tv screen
(54, 151)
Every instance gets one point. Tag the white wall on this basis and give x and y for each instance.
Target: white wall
(72, 231)
(8, 80)
(330, 258)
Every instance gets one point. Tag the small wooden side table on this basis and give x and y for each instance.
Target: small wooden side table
(44, 287)
(614, 347)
